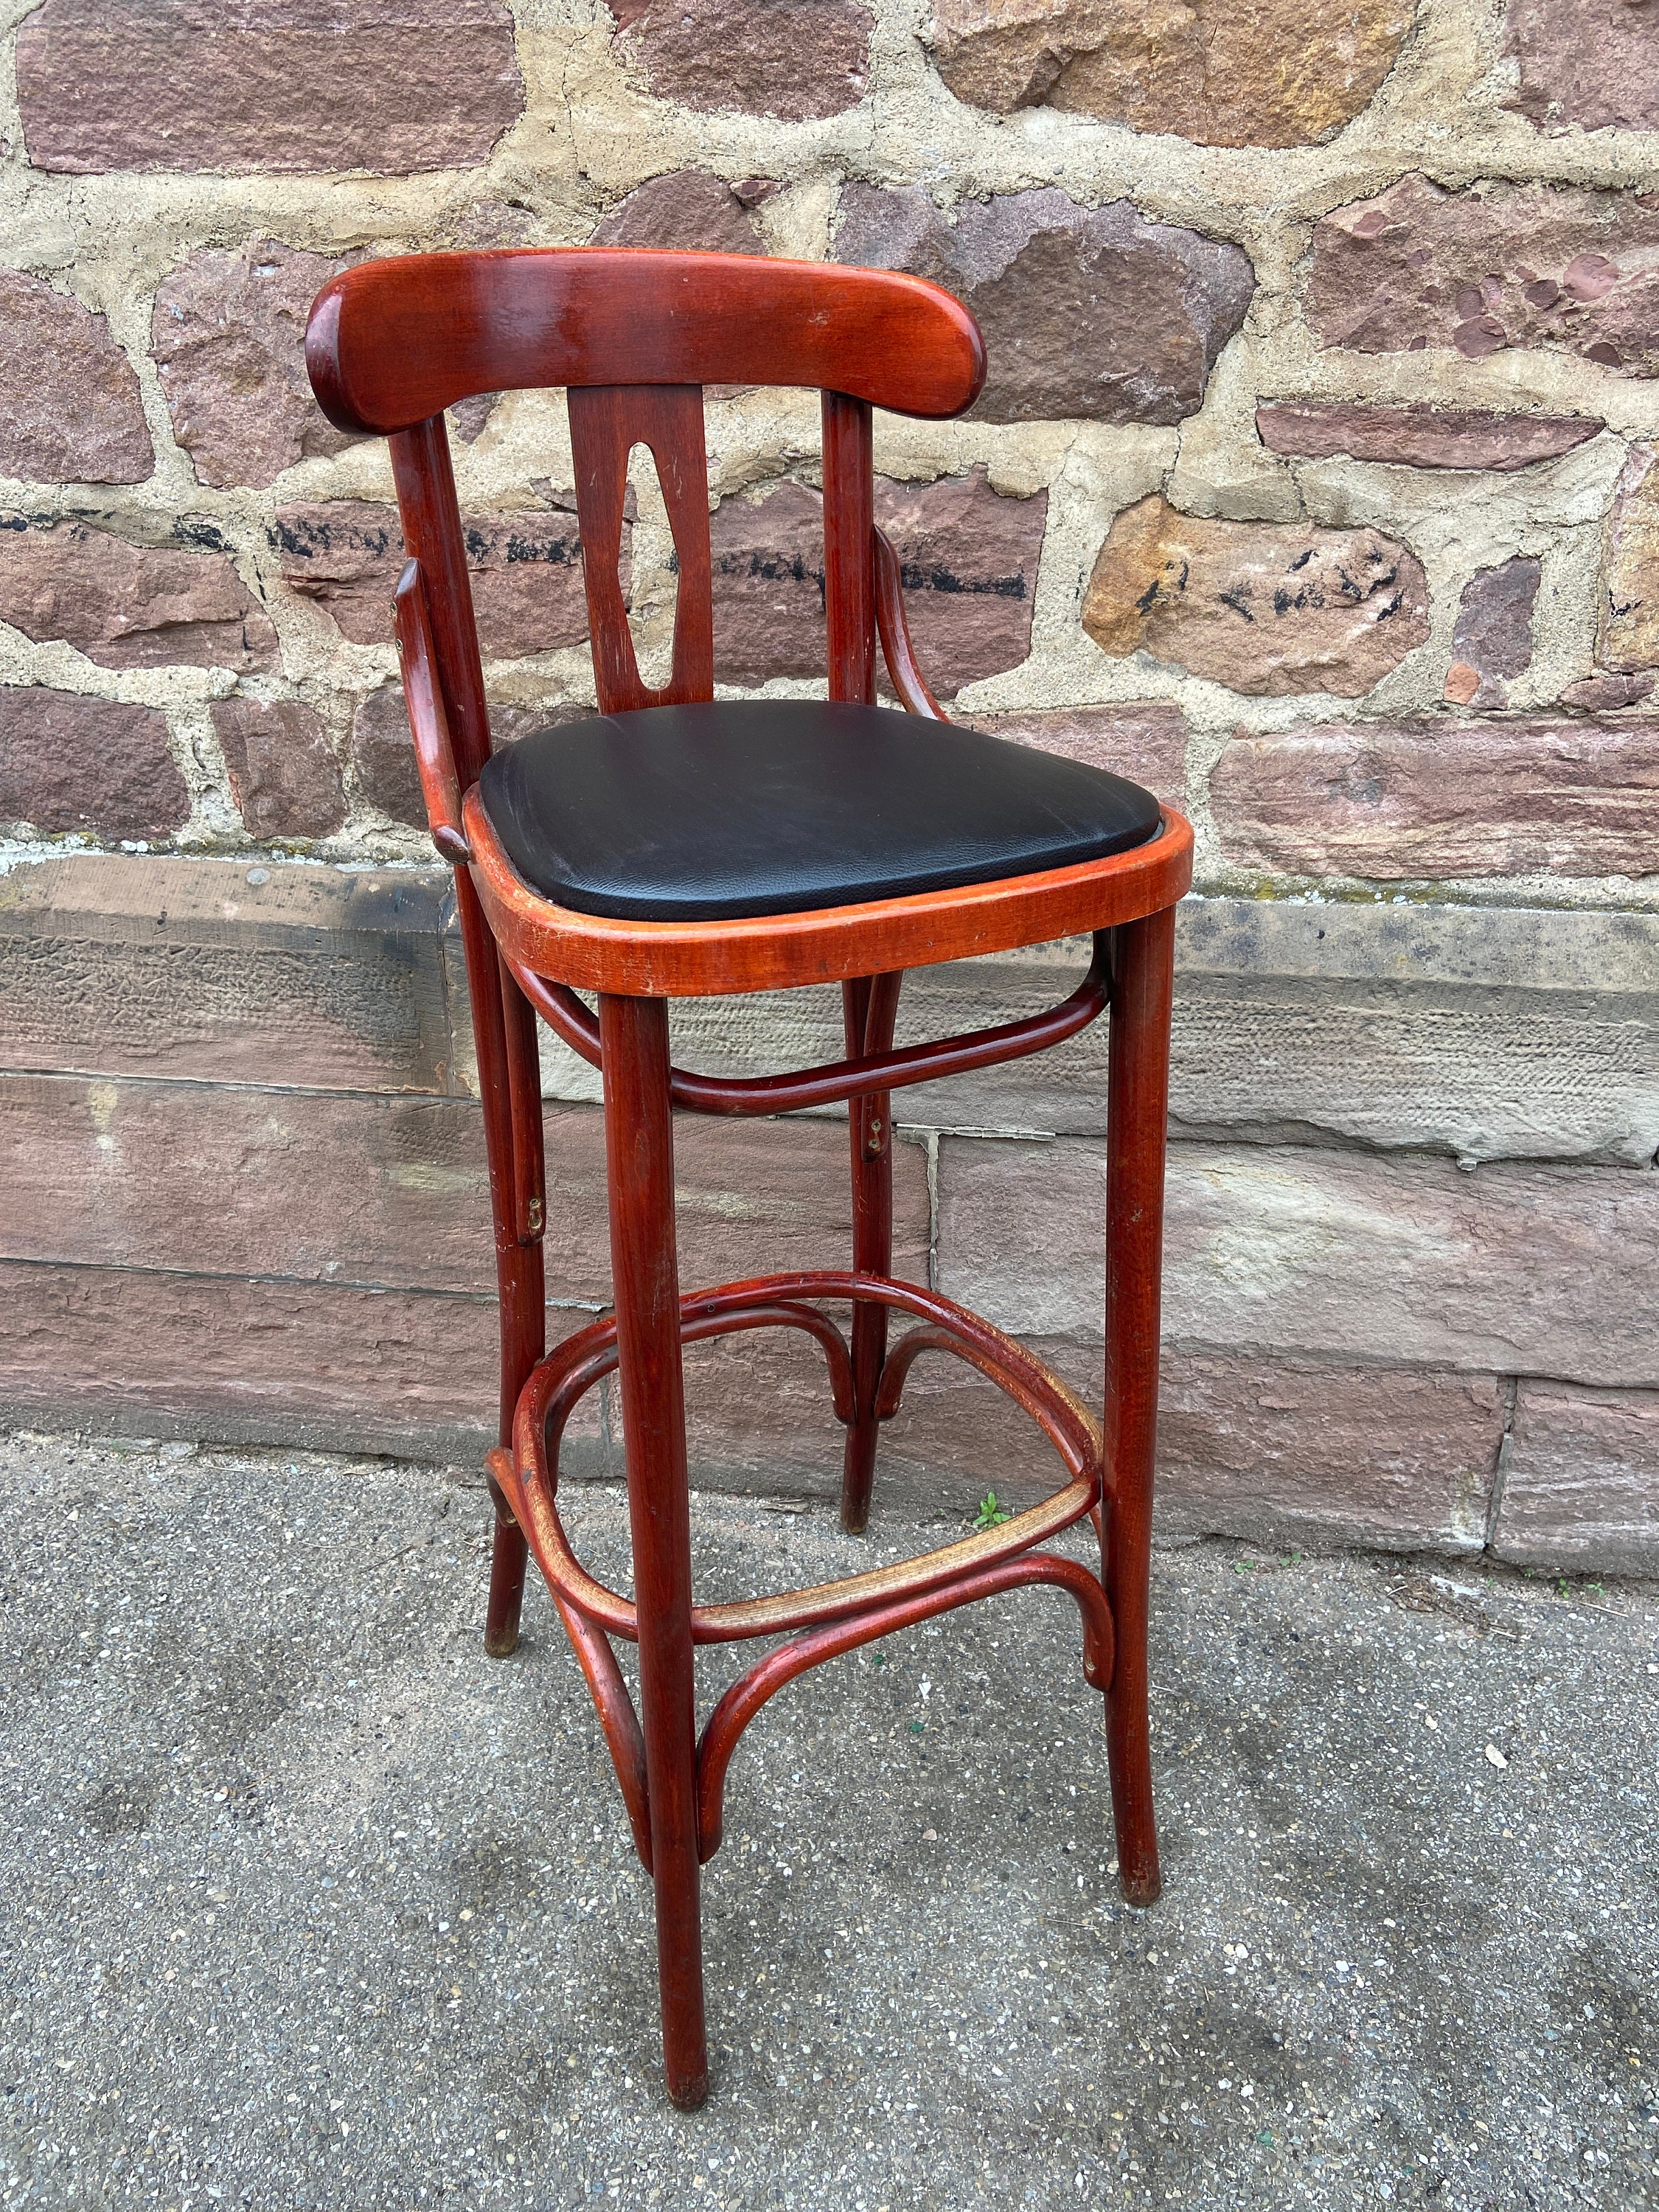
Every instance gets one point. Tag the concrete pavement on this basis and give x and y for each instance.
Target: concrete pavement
(305, 1903)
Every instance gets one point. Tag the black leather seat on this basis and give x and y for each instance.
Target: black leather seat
(711, 813)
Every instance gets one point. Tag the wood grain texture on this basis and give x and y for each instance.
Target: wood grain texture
(606, 423)
(699, 959)
(395, 342)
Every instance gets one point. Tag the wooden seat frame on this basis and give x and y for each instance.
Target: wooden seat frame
(633, 338)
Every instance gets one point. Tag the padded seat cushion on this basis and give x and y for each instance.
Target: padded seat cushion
(712, 813)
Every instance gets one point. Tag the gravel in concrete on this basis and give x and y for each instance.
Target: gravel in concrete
(306, 1903)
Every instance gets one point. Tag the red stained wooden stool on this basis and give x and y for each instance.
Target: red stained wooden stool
(674, 846)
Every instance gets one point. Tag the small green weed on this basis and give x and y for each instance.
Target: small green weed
(990, 1514)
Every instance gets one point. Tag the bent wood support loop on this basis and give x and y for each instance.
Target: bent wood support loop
(857, 1077)
(429, 720)
(896, 650)
(598, 1345)
(902, 1358)
(624, 1737)
(768, 1676)
(617, 1719)
(581, 1360)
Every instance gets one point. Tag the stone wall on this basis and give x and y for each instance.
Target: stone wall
(1313, 484)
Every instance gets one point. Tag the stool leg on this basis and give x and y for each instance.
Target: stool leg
(869, 1008)
(509, 1558)
(639, 1166)
(1138, 1092)
(524, 1336)
(504, 1036)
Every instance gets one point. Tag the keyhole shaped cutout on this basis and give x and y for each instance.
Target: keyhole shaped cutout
(649, 548)
(666, 529)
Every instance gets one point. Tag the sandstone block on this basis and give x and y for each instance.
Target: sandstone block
(1485, 1033)
(1265, 608)
(526, 570)
(968, 558)
(467, 418)
(71, 762)
(339, 1370)
(384, 1193)
(1298, 1452)
(1481, 1033)
(384, 85)
(381, 755)
(1222, 72)
(1493, 266)
(799, 59)
(1146, 741)
(1267, 1450)
(228, 333)
(1291, 1252)
(1605, 694)
(381, 752)
(70, 407)
(129, 606)
(1420, 437)
(1595, 63)
(1581, 1490)
(1629, 626)
(1087, 312)
(1491, 638)
(687, 211)
(283, 774)
(315, 978)
(1420, 801)
(967, 563)
(394, 1192)
(768, 566)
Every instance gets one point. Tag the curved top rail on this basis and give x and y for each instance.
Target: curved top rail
(392, 342)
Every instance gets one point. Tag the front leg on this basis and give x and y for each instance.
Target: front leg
(1137, 1111)
(639, 1147)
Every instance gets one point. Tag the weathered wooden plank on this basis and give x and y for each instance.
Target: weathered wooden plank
(393, 1191)
(1530, 1269)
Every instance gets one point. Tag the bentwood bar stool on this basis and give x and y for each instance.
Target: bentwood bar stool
(678, 846)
